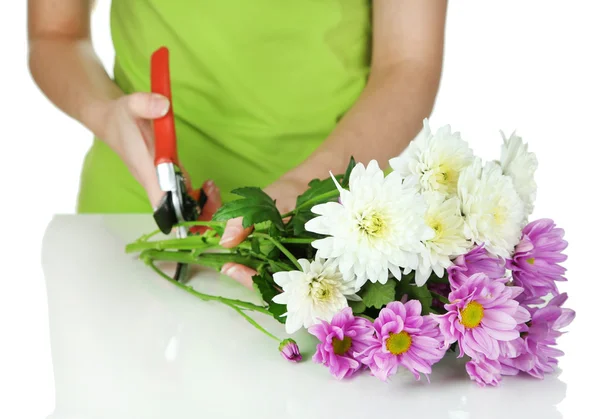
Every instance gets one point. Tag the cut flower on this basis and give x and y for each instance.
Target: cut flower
(494, 213)
(377, 226)
(535, 263)
(482, 312)
(403, 337)
(520, 165)
(316, 293)
(341, 341)
(433, 161)
(444, 218)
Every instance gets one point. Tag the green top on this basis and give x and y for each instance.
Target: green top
(257, 85)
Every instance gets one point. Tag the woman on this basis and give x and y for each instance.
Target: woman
(268, 93)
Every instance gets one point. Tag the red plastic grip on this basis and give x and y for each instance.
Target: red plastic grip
(165, 143)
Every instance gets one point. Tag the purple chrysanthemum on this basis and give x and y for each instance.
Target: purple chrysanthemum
(403, 337)
(481, 313)
(341, 339)
(478, 260)
(535, 353)
(535, 263)
(290, 351)
(485, 372)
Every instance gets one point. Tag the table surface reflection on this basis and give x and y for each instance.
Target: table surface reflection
(128, 344)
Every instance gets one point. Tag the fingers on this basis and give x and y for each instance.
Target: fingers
(234, 233)
(213, 203)
(147, 105)
(239, 273)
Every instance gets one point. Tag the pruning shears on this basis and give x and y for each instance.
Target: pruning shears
(180, 203)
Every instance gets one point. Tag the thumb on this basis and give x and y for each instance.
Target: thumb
(147, 105)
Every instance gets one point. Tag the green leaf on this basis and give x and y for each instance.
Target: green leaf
(255, 207)
(357, 306)
(405, 287)
(274, 231)
(316, 187)
(346, 179)
(265, 286)
(255, 245)
(274, 253)
(377, 294)
(299, 221)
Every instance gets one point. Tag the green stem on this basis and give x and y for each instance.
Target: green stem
(282, 266)
(292, 240)
(203, 224)
(440, 297)
(145, 237)
(317, 199)
(281, 247)
(206, 297)
(210, 260)
(255, 324)
(187, 243)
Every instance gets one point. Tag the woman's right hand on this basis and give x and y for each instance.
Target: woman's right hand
(127, 129)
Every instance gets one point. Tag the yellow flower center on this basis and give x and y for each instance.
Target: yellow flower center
(499, 215)
(371, 223)
(471, 315)
(320, 289)
(398, 343)
(340, 347)
(447, 177)
(531, 261)
(436, 225)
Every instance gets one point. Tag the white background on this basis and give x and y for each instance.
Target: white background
(525, 65)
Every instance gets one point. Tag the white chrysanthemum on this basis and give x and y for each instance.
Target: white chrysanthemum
(494, 213)
(520, 165)
(434, 161)
(316, 293)
(378, 225)
(444, 218)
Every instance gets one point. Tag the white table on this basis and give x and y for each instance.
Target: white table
(128, 344)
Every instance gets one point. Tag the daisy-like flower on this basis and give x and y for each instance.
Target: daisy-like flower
(494, 213)
(444, 218)
(535, 263)
(378, 225)
(520, 165)
(481, 313)
(403, 337)
(477, 260)
(434, 160)
(485, 372)
(315, 293)
(536, 353)
(341, 339)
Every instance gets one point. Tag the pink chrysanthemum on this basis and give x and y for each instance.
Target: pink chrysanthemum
(478, 260)
(481, 313)
(535, 352)
(535, 263)
(403, 337)
(341, 339)
(485, 372)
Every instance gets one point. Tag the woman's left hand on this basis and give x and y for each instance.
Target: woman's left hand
(284, 192)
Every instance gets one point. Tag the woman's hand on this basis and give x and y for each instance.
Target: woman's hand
(128, 131)
(284, 192)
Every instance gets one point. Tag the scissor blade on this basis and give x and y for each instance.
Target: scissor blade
(182, 272)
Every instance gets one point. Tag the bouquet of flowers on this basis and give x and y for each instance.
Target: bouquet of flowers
(395, 270)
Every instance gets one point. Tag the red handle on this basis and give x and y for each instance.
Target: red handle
(165, 143)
